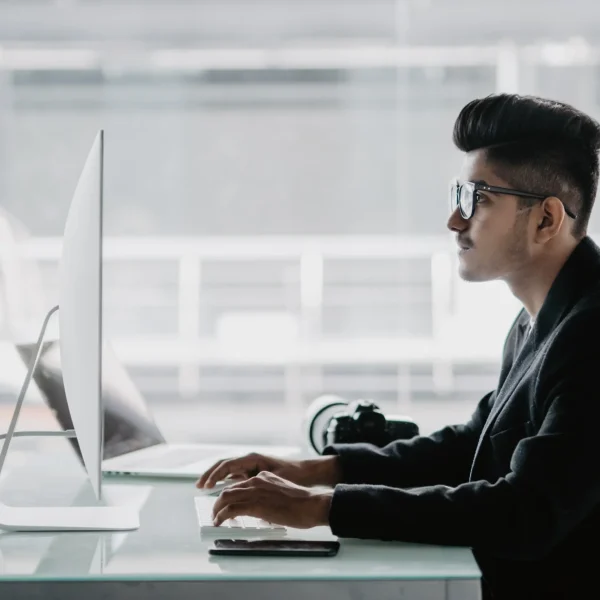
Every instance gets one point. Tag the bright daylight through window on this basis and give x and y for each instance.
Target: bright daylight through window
(275, 197)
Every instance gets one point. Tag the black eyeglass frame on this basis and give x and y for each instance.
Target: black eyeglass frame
(478, 186)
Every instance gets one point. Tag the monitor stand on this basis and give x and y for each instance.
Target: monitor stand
(53, 518)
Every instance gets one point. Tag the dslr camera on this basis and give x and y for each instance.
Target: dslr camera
(333, 420)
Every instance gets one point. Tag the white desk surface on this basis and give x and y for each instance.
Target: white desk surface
(168, 545)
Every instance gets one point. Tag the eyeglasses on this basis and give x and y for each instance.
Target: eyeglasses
(465, 196)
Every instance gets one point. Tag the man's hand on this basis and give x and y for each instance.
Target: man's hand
(274, 499)
(319, 471)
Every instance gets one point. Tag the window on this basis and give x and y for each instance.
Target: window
(284, 186)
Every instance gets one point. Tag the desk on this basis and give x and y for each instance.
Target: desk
(166, 557)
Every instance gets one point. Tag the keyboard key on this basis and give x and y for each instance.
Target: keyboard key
(232, 527)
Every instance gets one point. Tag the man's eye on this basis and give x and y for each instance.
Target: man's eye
(480, 197)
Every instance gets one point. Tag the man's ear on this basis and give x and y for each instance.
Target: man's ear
(551, 217)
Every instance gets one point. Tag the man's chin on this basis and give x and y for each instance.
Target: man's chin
(467, 273)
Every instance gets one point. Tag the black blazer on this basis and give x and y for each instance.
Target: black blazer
(520, 482)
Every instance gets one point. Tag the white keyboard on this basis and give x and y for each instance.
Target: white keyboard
(231, 527)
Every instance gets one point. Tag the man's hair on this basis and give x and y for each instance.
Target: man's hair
(538, 146)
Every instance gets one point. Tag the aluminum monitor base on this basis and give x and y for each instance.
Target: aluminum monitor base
(71, 518)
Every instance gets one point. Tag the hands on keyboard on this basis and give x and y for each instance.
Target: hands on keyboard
(232, 527)
(217, 488)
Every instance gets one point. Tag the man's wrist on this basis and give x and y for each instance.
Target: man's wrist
(323, 506)
(325, 470)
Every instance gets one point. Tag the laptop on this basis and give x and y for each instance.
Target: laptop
(133, 442)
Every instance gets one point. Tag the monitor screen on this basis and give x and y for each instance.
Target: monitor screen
(128, 423)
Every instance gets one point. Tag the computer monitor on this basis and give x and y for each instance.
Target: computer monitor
(80, 335)
(80, 311)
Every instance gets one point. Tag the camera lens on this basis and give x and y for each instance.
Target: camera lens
(317, 419)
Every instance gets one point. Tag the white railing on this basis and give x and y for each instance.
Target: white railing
(86, 55)
(296, 340)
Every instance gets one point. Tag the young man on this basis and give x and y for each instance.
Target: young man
(520, 482)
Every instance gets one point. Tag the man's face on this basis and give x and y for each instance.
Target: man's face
(496, 235)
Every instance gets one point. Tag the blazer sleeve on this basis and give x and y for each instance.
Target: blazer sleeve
(552, 486)
(443, 457)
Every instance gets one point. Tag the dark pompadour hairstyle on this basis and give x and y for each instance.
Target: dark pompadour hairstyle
(536, 145)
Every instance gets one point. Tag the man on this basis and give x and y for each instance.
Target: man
(520, 482)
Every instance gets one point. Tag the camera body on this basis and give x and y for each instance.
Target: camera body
(363, 421)
(331, 419)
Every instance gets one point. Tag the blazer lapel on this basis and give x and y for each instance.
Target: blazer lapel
(521, 363)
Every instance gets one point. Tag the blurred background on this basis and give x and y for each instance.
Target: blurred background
(276, 182)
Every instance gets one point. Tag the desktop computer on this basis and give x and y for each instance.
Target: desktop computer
(80, 334)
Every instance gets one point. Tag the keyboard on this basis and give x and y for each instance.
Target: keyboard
(232, 527)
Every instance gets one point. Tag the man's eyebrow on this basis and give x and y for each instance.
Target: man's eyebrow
(481, 181)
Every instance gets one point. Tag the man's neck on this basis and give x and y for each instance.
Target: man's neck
(531, 285)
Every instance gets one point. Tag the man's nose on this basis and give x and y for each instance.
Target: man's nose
(456, 221)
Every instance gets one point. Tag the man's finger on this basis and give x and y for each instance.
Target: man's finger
(256, 482)
(239, 484)
(269, 476)
(231, 511)
(222, 471)
(202, 481)
(236, 473)
(231, 495)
